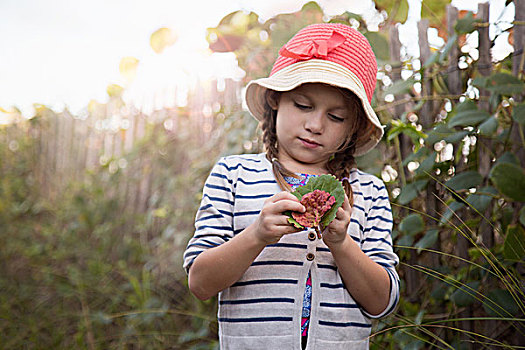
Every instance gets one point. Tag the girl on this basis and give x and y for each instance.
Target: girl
(280, 287)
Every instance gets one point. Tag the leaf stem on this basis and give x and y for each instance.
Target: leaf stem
(318, 231)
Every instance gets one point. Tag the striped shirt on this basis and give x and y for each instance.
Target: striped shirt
(262, 310)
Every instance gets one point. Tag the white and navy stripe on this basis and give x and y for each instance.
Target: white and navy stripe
(266, 303)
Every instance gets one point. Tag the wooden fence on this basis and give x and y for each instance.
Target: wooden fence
(69, 146)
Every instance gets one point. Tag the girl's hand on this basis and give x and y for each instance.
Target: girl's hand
(336, 232)
(272, 223)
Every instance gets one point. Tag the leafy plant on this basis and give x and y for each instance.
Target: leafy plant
(321, 196)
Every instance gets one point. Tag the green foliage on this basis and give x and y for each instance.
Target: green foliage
(380, 45)
(514, 247)
(466, 24)
(509, 179)
(396, 9)
(326, 183)
(501, 83)
(81, 268)
(435, 12)
(412, 224)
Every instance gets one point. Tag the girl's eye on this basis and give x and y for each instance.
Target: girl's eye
(301, 106)
(336, 118)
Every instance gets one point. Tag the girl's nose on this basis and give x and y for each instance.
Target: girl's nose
(314, 122)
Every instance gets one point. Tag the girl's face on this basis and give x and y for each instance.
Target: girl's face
(313, 122)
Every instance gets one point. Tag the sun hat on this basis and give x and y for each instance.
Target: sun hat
(329, 53)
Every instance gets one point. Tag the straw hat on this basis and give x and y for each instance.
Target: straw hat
(329, 53)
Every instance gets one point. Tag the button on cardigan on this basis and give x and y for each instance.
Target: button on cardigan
(262, 310)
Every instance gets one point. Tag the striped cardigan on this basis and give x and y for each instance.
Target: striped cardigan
(262, 310)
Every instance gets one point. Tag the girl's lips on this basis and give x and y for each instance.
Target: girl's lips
(309, 143)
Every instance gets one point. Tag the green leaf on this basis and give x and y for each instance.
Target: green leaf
(162, 38)
(371, 162)
(466, 24)
(443, 132)
(128, 68)
(406, 241)
(452, 208)
(514, 246)
(327, 183)
(480, 82)
(464, 180)
(426, 166)
(522, 216)
(468, 118)
(345, 18)
(504, 303)
(394, 8)
(408, 129)
(416, 156)
(501, 83)
(412, 224)
(482, 198)
(518, 113)
(508, 157)
(489, 126)
(439, 291)
(466, 105)
(411, 191)
(435, 12)
(457, 136)
(509, 179)
(465, 295)
(400, 87)
(379, 44)
(114, 90)
(448, 46)
(292, 220)
(427, 240)
(431, 60)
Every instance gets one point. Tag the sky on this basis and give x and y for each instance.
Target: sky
(64, 53)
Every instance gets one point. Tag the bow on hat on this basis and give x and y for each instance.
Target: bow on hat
(315, 48)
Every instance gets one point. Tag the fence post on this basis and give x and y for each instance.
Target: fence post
(395, 55)
(484, 144)
(484, 147)
(518, 63)
(454, 78)
(411, 276)
(455, 89)
(427, 122)
(426, 114)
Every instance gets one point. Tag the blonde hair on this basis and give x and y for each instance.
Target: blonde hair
(339, 165)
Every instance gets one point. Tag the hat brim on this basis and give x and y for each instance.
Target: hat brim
(315, 71)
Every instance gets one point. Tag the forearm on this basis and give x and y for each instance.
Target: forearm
(218, 268)
(366, 281)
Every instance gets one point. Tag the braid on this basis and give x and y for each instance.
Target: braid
(271, 145)
(341, 164)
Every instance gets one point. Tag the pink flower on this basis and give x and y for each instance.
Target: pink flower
(317, 203)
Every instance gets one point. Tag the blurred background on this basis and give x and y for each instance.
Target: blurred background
(112, 114)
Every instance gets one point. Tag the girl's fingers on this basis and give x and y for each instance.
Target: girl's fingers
(285, 205)
(284, 201)
(282, 220)
(346, 204)
(345, 209)
(283, 195)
